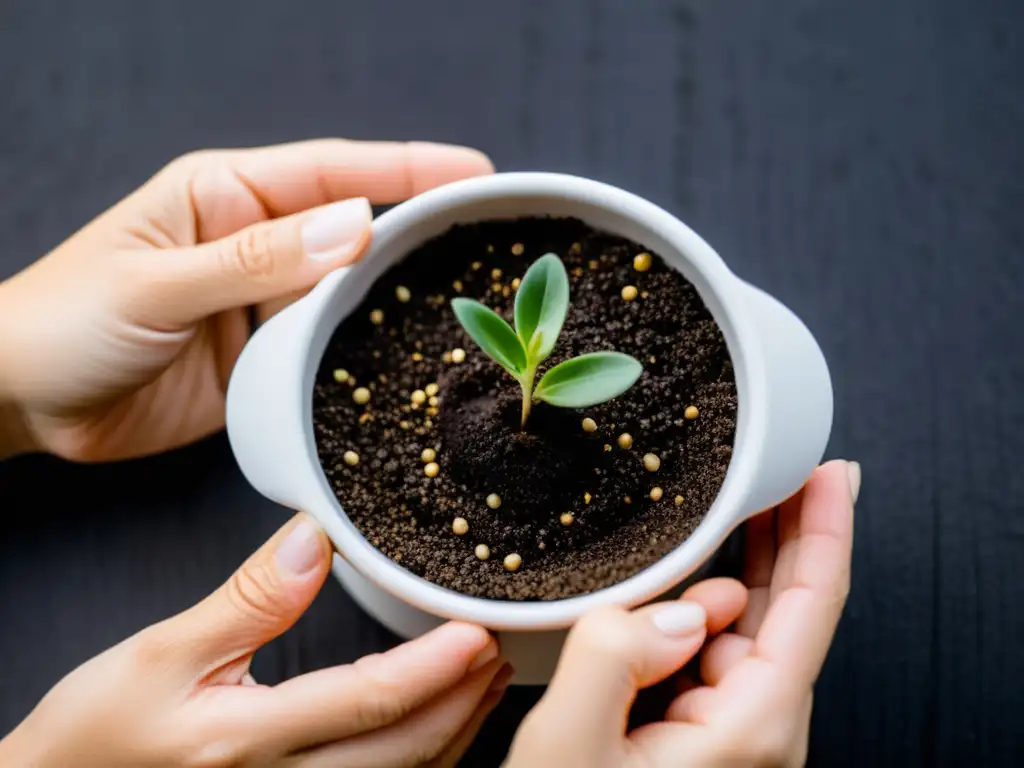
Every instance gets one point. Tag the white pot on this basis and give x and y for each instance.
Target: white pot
(783, 421)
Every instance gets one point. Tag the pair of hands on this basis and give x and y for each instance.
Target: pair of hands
(119, 344)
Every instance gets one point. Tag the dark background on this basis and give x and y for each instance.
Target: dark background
(860, 160)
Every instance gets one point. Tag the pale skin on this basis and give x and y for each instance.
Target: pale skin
(119, 344)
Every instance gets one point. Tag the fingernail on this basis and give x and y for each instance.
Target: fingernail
(301, 551)
(502, 679)
(486, 656)
(680, 618)
(337, 231)
(853, 473)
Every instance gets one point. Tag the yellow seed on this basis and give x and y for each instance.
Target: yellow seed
(428, 455)
(433, 402)
(625, 441)
(431, 411)
(566, 518)
(629, 293)
(459, 526)
(652, 359)
(457, 285)
(627, 499)
(431, 469)
(482, 551)
(365, 416)
(587, 497)
(656, 494)
(542, 546)
(642, 262)
(427, 422)
(493, 500)
(644, 294)
(376, 317)
(402, 293)
(496, 287)
(691, 412)
(515, 283)
(593, 264)
(351, 458)
(416, 356)
(418, 397)
(512, 562)
(476, 265)
(589, 425)
(651, 462)
(517, 249)
(430, 389)
(446, 357)
(495, 274)
(340, 375)
(361, 395)
(458, 355)
(577, 271)
(404, 424)
(679, 501)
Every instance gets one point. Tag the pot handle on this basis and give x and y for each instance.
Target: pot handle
(797, 406)
(269, 405)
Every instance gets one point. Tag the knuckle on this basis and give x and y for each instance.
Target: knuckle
(251, 590)
(386, 697)
(606, 633)
(251, 253)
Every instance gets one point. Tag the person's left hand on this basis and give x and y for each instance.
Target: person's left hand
(120, 342)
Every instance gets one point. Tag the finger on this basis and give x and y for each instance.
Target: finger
(759, 562)
(260, 601)
(801, 622)
(723, 654)
(608, 657)
(724, 601)
(376, 691)
(175, 288)
(460, 745)
(416, 739)
(694, 706)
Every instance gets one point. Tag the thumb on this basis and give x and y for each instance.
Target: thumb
(260, 601)
(608, 657)
(258, 263)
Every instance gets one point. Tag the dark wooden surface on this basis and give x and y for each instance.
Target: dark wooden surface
(860, 160)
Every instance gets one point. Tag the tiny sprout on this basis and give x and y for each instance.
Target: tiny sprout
(541, 305)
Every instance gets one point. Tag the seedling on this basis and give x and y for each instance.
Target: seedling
(541, 305)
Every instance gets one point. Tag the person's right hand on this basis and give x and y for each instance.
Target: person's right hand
(753, 705)
(179, 693)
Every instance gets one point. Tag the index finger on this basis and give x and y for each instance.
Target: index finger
(799, 626)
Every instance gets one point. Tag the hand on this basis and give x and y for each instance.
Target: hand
(180, 693)
(120, 342)
(753, 705)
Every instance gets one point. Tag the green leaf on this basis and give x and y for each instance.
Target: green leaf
(492, 334)
(588, 379)
(541, 304)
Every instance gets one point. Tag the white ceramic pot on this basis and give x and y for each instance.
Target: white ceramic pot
(783, 387)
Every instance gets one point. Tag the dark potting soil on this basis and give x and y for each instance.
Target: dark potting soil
(552, 467)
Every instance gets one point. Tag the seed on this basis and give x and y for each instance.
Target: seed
(515, 283)
(517, 249)
(542, 546)
(656, 494)
(691, 412)
(458, 355)
(642, 262)
(376, 317)
(431, 469)
(433, 401)
(351, 458)
(587, 497)
(459, 526)
(476, 265)
(446, 357)
(493, 500)
(512, 562)
(607, 448)
(482, 551)
(404, 424)
(651, 462)
(577, 271)
(402, 293)
(428, 455)
(361, 395)
(589, 425)
(457, 285)
(566, 518)
(430, 389)
(496, 287)
(428, 423)
(629, 293)
(625, 441)
(340, 375)
(593, 264)
(418, 397)
(495, 274)
(679, 501)
(644, 294)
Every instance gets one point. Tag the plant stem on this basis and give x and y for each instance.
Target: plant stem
(527, 384)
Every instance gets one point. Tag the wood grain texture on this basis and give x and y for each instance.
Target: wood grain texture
(861, 161)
